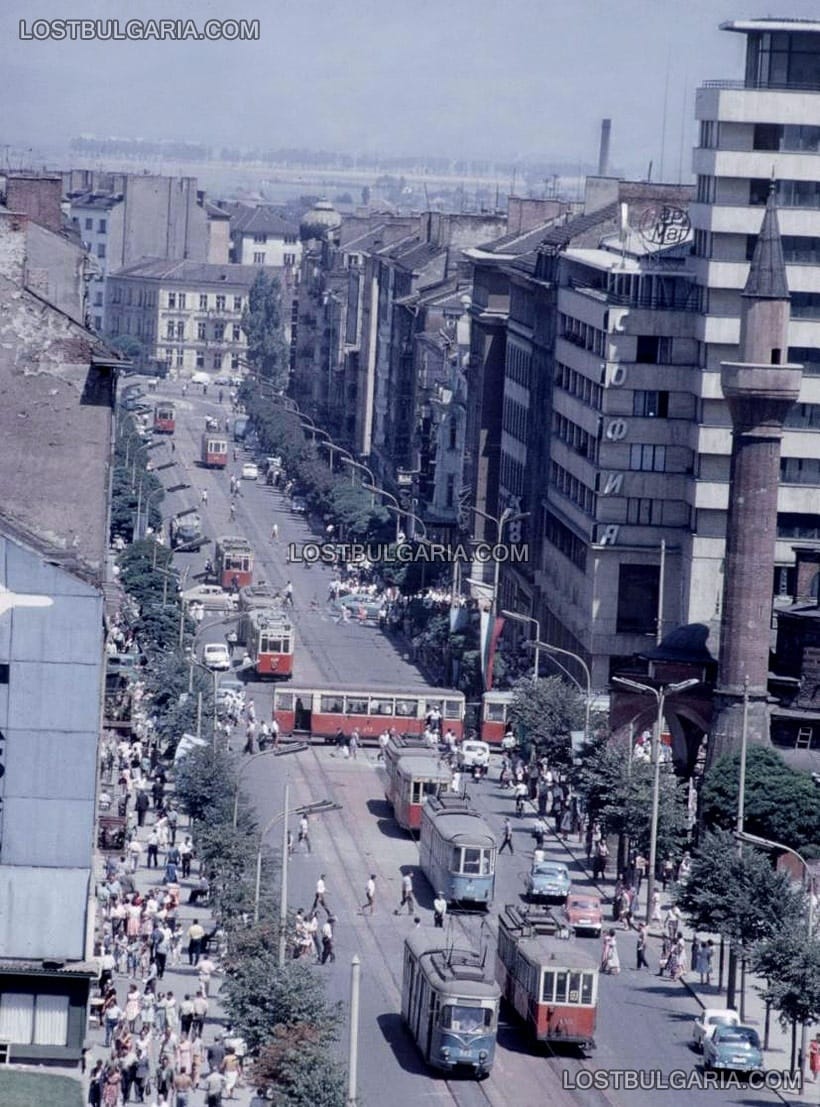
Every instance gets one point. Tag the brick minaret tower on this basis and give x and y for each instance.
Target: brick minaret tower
(759, 390)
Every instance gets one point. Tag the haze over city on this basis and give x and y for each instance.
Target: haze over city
(526, 80)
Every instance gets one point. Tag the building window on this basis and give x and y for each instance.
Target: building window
(170, 331)
(259, 257)
(97, 322)
(234, 361)
(102, 226)
(180, 358)
(217, 361)
(644, 512)
(260, 238)
(219, 331)
(650, 405)
(237, 303)
(653, 349)
(453, 429)
(200, 331)
(100, 249)
(702, 244)
(289, 259)
(200, 360)
(236, 332)
(637, 599)
(709, 134)
(220, 302)
(451, 490)
(98, 299)
(172, 299)
(203, 301)
(181, 300)
(181, 329)
(89, 224)
(34, 1019)
(647, 459)
(706, 190)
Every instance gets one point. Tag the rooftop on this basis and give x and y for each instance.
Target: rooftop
(192, 272)
(772, 24)
(260, 220)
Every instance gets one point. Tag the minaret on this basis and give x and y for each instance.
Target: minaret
(759, 391)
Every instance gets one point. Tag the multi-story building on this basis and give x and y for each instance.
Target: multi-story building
(123, 217)
(261, 236)
(56, 423)
(761, 127)
(185, 315)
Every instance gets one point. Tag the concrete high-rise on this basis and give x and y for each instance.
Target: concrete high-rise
(759, 390)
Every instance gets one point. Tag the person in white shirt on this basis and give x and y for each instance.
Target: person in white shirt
(370, 894)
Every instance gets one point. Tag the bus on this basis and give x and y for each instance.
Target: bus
(457, 851)
(551, 983)
(267, 635)
(164, 418)
(410, 780)
(233, 562)
(323, 712)
(214, 451)
(450, 1003)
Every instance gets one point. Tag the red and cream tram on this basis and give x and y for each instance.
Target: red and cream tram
(233, 561)
(267, 634)
(410, 780)
(495, 716)
(164, 418)
(551, 983)
(323, 712)
(214, 452)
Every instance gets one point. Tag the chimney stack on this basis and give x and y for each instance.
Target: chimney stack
(603, 153)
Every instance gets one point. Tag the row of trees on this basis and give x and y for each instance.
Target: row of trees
(282, 1011)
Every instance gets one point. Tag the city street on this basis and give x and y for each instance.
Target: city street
(644, 1022)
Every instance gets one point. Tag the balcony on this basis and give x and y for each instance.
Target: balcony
(763, 86)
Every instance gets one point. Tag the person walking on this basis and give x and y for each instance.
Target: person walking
(274, 532)
(814, 1057)
(195, 935)
(439, 909)
(214, 1087)
(327, 941)
(370, 895)
(204, 495)
(506, 838)
(641, 962)
(610, 958)
(703, 961)
(304, 832)
(95, 1085)
(200, 1014)
(407, 898)
(319, 897)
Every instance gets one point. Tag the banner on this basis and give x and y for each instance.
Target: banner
(490, 633)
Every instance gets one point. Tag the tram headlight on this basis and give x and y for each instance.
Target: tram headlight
(482, 1055)
(445, 1053)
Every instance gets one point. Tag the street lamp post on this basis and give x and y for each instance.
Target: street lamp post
(358, 465)
(575, 657)
(660, 695)
(766, 843)
(396, 506)
(518, 618)
(506, 516)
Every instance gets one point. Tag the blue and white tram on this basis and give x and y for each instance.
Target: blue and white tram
(457, 851)
(450, 1003)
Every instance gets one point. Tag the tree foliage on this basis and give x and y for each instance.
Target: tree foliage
(780, 803)
(739, 896)
(298, 1070)
(205, 782)
(791, 966)
(545, 711)
(617, 788)
(262, 322)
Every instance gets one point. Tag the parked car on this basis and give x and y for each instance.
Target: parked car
(200, 378)
(472, 752)
(548, 880)
(298, 505)
(733, 1047)
(250, 471)
(583, 913)
(216, 655)
(372, 607)
(222, 380)
(709, 1020)
(209, 596)
(211, 424)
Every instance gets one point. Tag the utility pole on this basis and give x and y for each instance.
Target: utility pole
(353, 1056)
(283, 885)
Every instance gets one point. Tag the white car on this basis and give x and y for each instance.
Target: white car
(711, 1017)
(250, 471)
(209, 596)
(216, 655)
(200, 378)
(473, 752)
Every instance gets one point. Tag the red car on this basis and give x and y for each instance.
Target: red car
(582, 912)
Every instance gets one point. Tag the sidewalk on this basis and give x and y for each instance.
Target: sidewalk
(180, 979)
(778, 1055)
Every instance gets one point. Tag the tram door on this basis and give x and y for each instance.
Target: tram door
(302, 715)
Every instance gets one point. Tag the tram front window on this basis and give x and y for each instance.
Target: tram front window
(471, 862)
(465, 1020)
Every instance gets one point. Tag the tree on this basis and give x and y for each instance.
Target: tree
(780, 803)
(296, 1066)
(263, 326)
(205, 780)
(790, 963)
(546, 711)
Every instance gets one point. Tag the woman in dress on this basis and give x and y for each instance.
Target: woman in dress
(111, 1086)
(612, 960)
(133, 1006)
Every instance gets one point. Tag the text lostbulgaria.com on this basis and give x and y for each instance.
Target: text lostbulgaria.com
(655, 1080)
(138, 30)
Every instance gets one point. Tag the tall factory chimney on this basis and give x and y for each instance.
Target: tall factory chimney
(759, 391)
(603, 152)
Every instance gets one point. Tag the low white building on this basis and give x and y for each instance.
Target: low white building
(261, 236)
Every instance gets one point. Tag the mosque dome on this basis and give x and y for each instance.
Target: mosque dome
(321, 221)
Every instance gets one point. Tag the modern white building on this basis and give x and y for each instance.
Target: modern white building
(761, 127)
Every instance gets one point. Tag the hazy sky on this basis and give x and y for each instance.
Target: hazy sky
(487, 78)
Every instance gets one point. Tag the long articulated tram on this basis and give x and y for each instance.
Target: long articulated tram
(323, 712)
(450, 1003)
(457, 851)
(410, 781)
(551, 983)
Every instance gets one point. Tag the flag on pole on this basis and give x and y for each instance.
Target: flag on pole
(490, 633)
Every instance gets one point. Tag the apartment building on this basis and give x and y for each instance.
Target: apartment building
(761, 126)
(261, 236)
(182, 315)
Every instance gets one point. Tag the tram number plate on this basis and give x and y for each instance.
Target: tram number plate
(573, 997)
